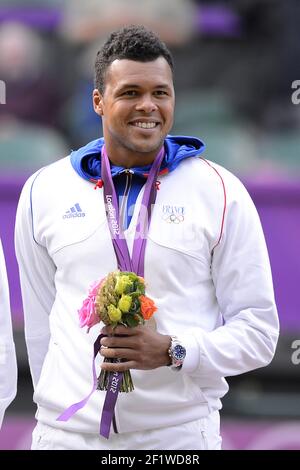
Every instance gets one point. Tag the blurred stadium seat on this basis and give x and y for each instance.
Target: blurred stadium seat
(283, 147)
(24, 148)
(209, 116)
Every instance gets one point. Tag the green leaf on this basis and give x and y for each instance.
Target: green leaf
(130, 320)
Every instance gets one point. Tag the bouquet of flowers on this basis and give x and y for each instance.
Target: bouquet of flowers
(117, 299)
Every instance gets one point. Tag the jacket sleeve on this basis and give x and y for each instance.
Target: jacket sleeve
(242, 278)
(8, 363)
(37, 272)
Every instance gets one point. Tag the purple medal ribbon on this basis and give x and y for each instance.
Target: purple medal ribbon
(134, 263)
(66, 415)
(114, 385)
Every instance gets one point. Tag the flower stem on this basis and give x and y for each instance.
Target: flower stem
(103, 379)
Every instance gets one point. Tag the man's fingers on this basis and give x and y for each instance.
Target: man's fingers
(118, 367)
(119, 330)
(117, 353)
(118, 342)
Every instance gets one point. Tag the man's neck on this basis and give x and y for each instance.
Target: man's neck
(127, 159)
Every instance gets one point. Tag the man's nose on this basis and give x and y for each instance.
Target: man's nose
(146, 104)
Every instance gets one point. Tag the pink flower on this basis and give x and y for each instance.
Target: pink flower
(95, 287)
(87, 314)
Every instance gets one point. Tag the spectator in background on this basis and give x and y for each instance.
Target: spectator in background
(32, 95)
(90, 20)
(29, 120)
(263, 62)
(8, 364)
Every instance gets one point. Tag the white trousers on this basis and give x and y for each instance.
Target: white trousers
(202, 434)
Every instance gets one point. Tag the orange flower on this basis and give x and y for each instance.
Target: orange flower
(148, 307)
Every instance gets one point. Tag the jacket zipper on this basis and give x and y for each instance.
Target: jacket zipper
(123, 210)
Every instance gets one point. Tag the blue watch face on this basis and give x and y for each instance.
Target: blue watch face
(179, 352)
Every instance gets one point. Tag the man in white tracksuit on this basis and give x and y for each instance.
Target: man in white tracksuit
(206, 268)
(8, 363)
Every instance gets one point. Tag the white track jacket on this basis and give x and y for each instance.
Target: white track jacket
(8, 363)
(206, 268)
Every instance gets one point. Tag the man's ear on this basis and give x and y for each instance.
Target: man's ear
(98, 102)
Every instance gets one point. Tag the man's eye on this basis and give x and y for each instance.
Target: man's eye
(161, 92)
(129, 93)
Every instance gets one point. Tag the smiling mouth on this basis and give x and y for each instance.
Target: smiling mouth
(144, 125)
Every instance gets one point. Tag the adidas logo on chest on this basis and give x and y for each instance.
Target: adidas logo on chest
(73, 212)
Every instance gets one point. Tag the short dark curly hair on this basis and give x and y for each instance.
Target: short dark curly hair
(133, 42)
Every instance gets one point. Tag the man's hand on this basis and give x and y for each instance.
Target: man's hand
(140, 347)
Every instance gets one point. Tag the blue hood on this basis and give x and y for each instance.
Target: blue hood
(87, 160)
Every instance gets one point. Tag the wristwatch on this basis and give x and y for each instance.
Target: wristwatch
(177, 353)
